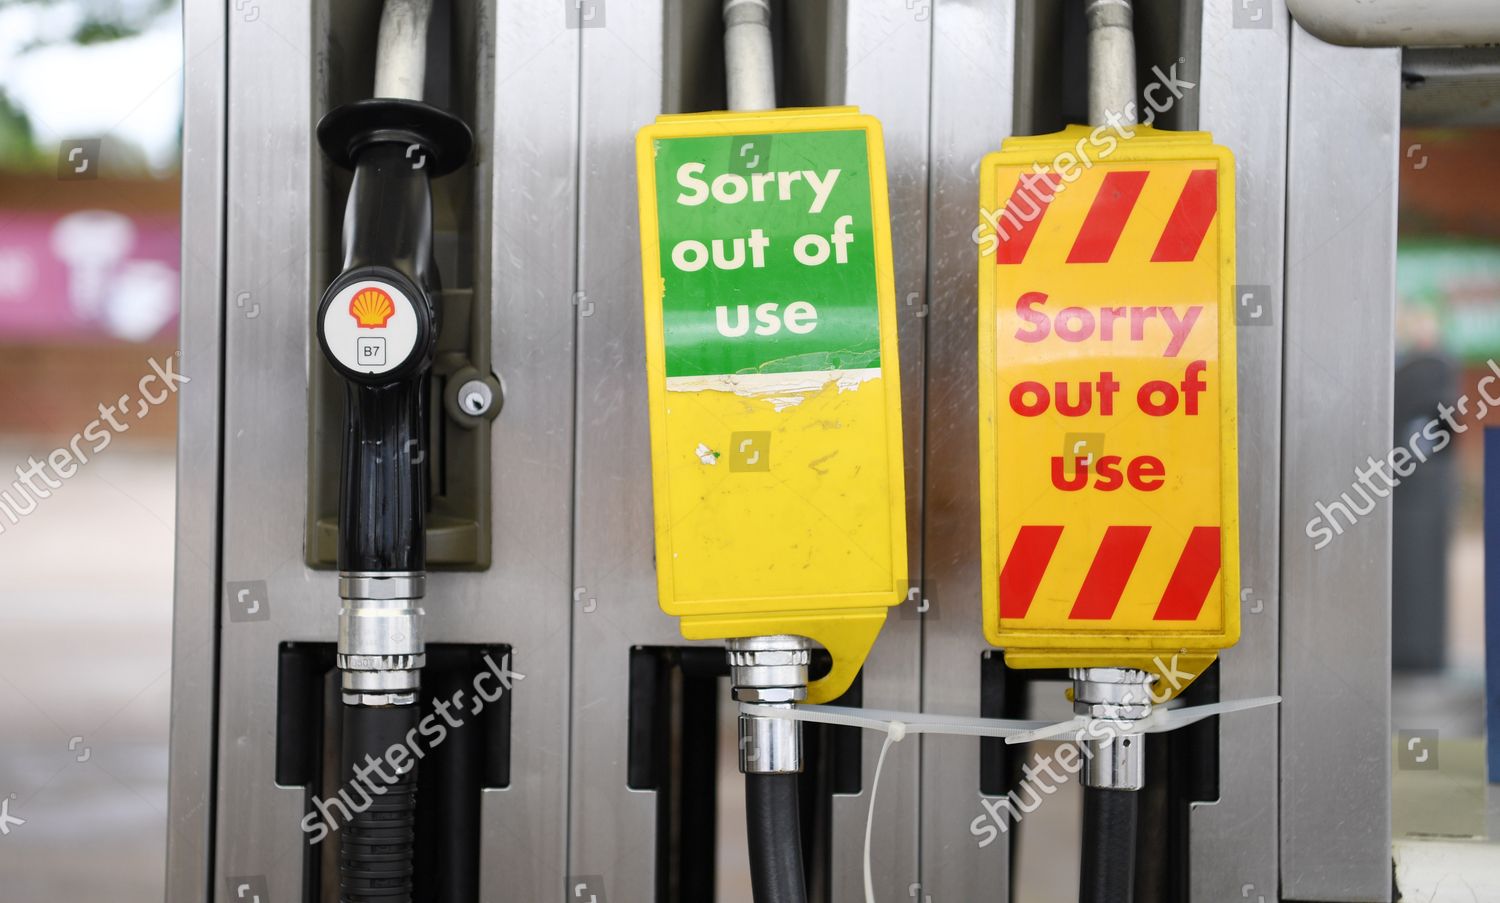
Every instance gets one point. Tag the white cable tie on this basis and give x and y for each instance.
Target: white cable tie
(895, 733)
(1011, 730)
(1160, 720)
(897, 725)
(911, 722)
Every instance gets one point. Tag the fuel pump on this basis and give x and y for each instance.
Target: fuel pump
(377, 325)
(775, 406)
(1107, 424)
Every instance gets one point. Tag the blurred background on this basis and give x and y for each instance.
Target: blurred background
(90, 128)
(1448, 332)
(1447, 341)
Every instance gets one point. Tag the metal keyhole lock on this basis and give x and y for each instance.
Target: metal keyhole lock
(472, 397)
(475, 398)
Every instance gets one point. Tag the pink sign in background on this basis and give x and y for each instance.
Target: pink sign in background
(87, 274)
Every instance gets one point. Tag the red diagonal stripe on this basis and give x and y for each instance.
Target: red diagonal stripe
(1024, 568)
(1018, 223)
(1107, 576)
(1106, 220)
(1190, 218)
(1194, 576)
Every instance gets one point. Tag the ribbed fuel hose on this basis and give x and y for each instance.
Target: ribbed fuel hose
(771, 813)
(375, 849)
(1107, 874)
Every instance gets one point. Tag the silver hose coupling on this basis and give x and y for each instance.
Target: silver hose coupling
(1114, 758)
(381, 649)
(771, 671)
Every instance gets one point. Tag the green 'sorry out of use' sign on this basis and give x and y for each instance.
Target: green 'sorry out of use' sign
(767, 254)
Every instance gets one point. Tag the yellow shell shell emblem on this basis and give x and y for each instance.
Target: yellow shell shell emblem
(372, 308)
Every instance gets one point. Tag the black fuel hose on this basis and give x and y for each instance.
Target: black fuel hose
(772, 816)
(1107, 873)
(375, 847)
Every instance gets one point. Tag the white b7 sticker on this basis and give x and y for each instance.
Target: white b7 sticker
(371, 326)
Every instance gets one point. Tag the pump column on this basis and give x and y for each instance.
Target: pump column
(769, 670)
(747, 428)
(766, 670)
(1115, 766)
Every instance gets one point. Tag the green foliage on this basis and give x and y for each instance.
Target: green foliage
(18, 148)
(101, 31)
(103, 22)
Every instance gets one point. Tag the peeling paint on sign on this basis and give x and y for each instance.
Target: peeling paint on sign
(782, 390)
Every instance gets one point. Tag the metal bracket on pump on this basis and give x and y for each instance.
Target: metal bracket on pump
(422, 140)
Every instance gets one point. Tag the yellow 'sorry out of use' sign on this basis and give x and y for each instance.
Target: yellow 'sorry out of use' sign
(778, 480)
(1107, 401)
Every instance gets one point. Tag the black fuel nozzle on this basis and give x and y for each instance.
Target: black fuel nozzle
(377, 324)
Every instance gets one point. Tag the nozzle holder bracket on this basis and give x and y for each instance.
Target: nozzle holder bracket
(345, 130)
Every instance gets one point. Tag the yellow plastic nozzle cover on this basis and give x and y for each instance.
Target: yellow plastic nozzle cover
(774, 384)
(1108, 460)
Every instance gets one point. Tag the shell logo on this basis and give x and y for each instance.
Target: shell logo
(371, 308)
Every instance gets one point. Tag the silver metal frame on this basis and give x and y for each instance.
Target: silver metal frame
(1244, 75)
(527, 592)
(1304, 807)
(612, 830)
(195, 631)
(888, 54)
(268, 185)
(1343, 143)
(972, 85)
